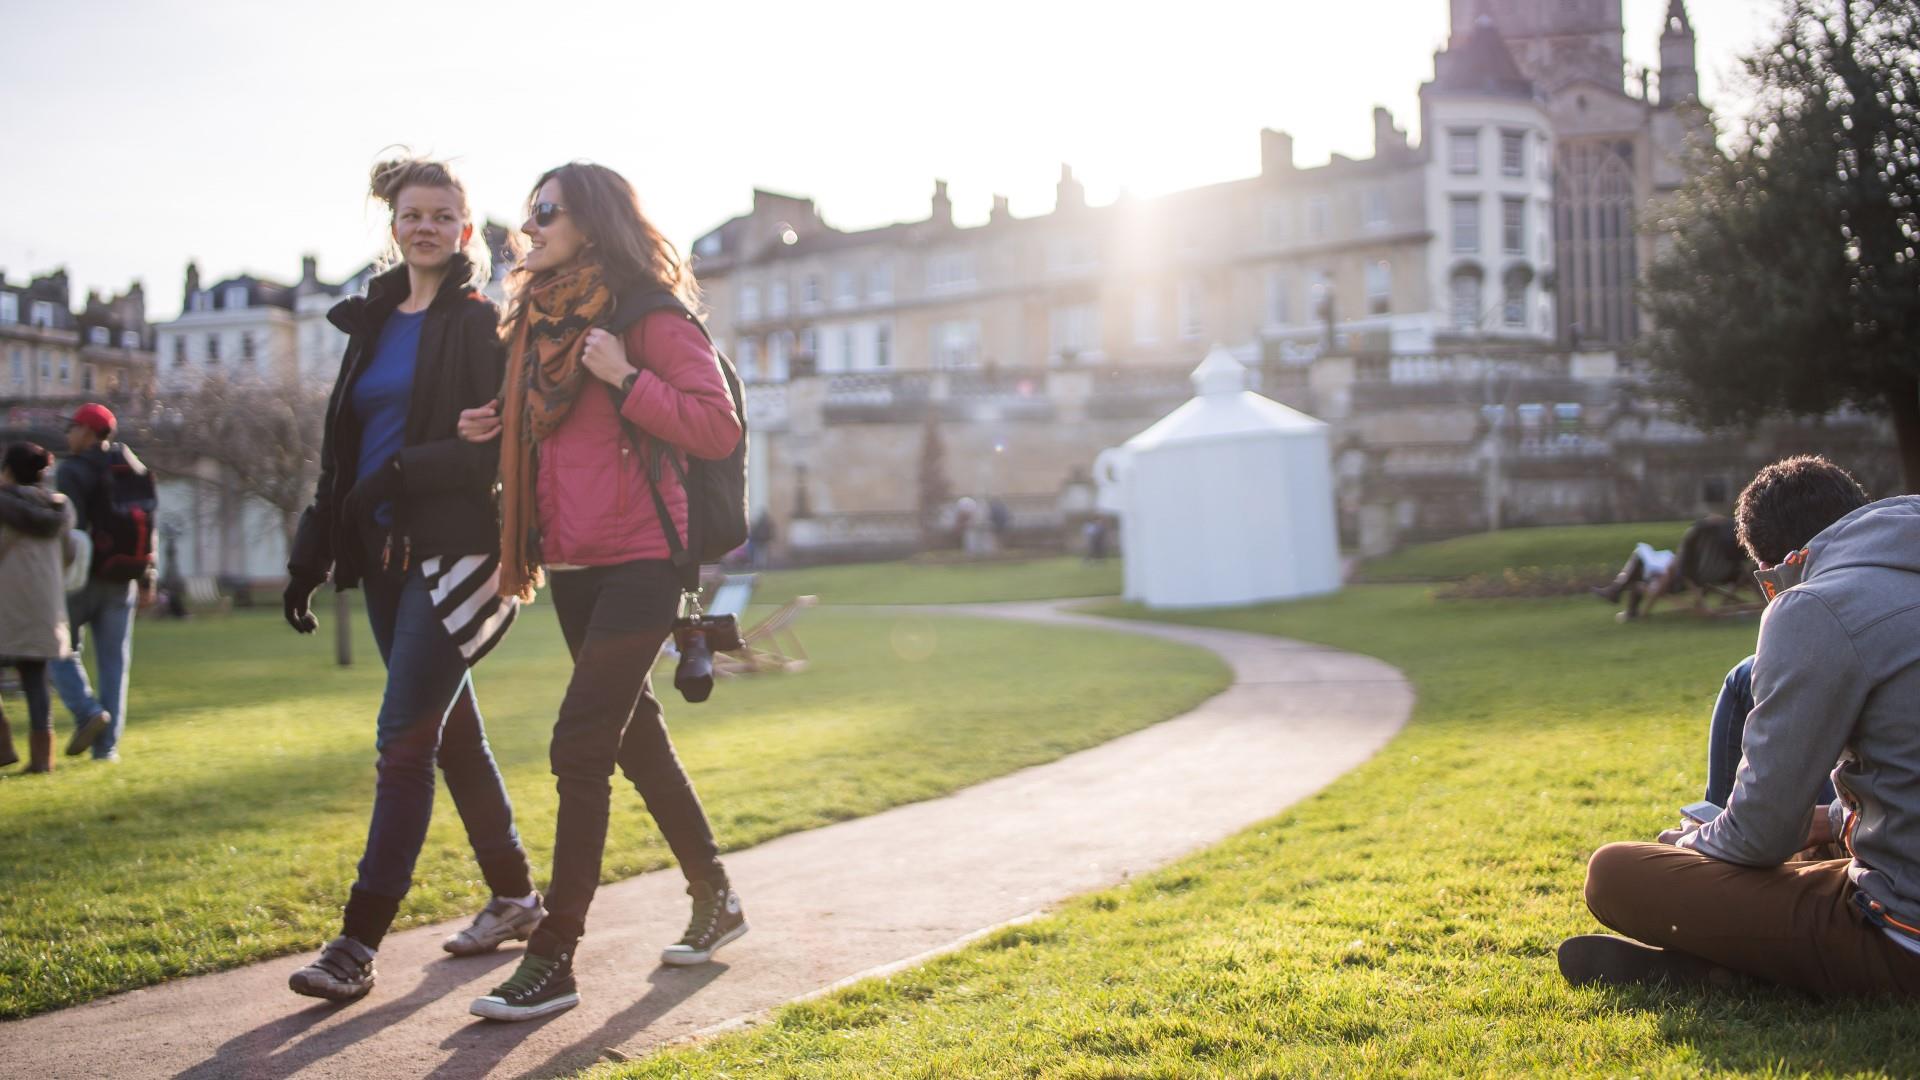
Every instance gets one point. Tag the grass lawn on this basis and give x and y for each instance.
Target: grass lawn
(231, 830)
(1402, 923)
(1596, 551)
(917, 582)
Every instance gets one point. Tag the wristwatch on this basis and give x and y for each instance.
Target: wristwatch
(626, 384)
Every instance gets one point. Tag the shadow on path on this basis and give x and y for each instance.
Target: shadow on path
(258, 1053)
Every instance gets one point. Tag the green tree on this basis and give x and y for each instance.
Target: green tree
(1792, 281)
(935, 492)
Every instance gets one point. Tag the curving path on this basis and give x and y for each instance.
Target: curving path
(827, 906)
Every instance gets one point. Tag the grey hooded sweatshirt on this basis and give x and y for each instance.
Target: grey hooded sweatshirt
(1837, 678)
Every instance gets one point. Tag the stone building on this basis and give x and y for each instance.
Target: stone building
(52, 359)
(1456, 306)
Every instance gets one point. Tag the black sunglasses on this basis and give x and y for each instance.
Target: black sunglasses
(545, 212)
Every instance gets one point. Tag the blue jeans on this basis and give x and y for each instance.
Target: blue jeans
(1724, 734)
(107, 607)
(428, 717)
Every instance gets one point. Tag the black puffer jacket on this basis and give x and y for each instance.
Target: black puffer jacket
(448, 505)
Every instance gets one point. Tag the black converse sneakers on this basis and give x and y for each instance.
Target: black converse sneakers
(717, 919)
(344, 972)
(541, 986)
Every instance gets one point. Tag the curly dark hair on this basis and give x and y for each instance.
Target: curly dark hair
(27, 462)
(1792, 501)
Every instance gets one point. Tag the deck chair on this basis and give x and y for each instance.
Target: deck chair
(770, 644)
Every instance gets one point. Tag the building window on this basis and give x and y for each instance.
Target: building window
(1319, 217)
(1463, 151)
(1276, 222)
(777, 300)
(956, 344)
(1466, 225)
(66, 370)
(883, 346)
(1514, 297)
(749, 360)
(19, 358)
(9, 308)
(1513, 153)
(42, 314)
(1279, 310)
(235, 298)
(810, 344)
(1373, 209)
(1466, 302)
(749, 303)
(1513, 226)
(213, 348)
(880, 283)
(1379, 287)
(779, 351)
(1187, 302)
(1320, 292)
(810, 293)
(46, 365)
(129, 339)
(1146, 318)
(99, 335)
(951, 270)
(86, 378)
(1074, 331)
(845, 291)
(180, 352)
(246, 346)
(200, 301)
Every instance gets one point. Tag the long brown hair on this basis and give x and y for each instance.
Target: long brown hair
(630, 251)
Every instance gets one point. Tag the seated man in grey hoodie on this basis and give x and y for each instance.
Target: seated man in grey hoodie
(1836, 678)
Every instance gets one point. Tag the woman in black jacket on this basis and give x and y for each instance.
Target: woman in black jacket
(405, 509)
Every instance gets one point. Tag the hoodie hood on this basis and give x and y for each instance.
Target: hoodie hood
(1886, 534)
(1882, 534)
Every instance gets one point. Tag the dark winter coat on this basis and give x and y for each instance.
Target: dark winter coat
(447, 505)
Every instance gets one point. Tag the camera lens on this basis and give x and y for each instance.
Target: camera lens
(694, 675)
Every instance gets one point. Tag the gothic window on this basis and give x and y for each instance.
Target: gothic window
(1594, 237)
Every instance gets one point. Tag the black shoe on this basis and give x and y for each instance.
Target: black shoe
(344, 972)
(717, 919)
(540, 986)
(1616, 961)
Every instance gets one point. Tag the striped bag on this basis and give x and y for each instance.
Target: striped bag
(466, 597)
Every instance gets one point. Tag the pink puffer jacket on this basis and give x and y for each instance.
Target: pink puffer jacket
(591, 490)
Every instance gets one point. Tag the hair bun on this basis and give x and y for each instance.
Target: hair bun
(389, 177)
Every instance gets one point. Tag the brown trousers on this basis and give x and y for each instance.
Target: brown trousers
(1795, 924)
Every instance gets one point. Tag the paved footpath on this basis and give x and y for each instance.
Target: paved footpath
(826, 906)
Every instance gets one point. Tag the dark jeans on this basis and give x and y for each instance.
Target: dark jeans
(33, 683)
(1723, 735)
(615, 619)
(429, 716)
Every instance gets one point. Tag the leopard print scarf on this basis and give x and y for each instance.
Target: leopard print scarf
(544, 377)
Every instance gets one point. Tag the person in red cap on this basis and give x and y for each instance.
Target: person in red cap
(113, 500)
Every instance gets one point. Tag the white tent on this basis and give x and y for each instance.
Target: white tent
(1227, 500)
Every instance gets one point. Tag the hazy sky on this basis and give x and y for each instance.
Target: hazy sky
(134, 136)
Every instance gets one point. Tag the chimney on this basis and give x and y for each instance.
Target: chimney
(193, 286)
(1069, 194)
(1386, 137)
(309, 270)
(942, 205)
(1276, 152)
(1001, 212)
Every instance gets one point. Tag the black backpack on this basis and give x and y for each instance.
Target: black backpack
(716, 487)
(120, 519)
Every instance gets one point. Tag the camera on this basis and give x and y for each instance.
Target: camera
(698, 637)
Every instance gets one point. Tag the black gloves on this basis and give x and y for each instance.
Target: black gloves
(297, 603)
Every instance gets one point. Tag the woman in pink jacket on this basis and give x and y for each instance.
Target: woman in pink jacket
(606, 368)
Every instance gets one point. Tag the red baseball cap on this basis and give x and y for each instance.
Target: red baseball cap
(95, 417)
